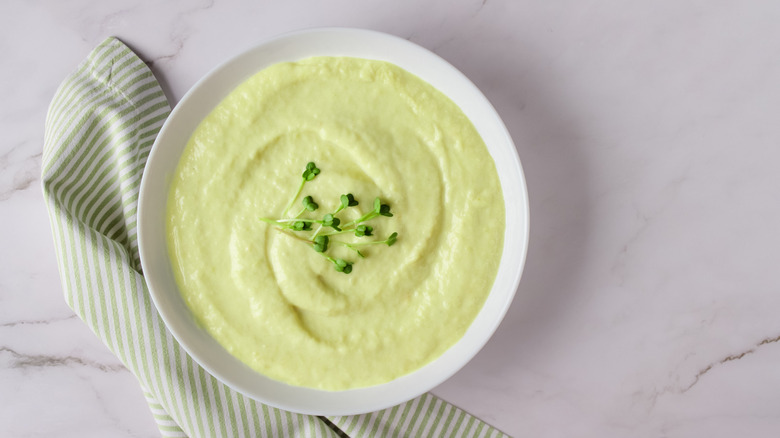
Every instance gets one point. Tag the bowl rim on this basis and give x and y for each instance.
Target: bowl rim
(352, 401)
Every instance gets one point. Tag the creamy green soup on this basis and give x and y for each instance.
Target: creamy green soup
(374, 130)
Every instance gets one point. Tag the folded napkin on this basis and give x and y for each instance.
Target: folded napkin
(99, 131)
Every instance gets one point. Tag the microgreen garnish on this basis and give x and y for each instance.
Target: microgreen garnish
(363, 230)
(391, 240)
(311, 171)
(348, 201)
(301, 226)
(309, 204)
(341, 264)
(321, 242)
(330, 221)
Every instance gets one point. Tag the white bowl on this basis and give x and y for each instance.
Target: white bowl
(204, 96)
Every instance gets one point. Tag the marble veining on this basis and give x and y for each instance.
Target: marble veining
(648, 134)
(729, 358)
(19, 360)
(36, 321)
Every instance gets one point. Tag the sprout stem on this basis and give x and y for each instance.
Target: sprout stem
(292, 201)
(295, 219)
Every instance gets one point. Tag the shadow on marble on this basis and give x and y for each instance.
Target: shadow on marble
(159, 73)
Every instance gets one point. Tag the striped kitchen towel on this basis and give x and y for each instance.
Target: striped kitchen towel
(99, 131)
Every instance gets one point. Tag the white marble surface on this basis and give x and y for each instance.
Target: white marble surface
(650, 135)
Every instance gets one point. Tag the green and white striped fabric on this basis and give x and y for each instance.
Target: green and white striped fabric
(99, 131)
